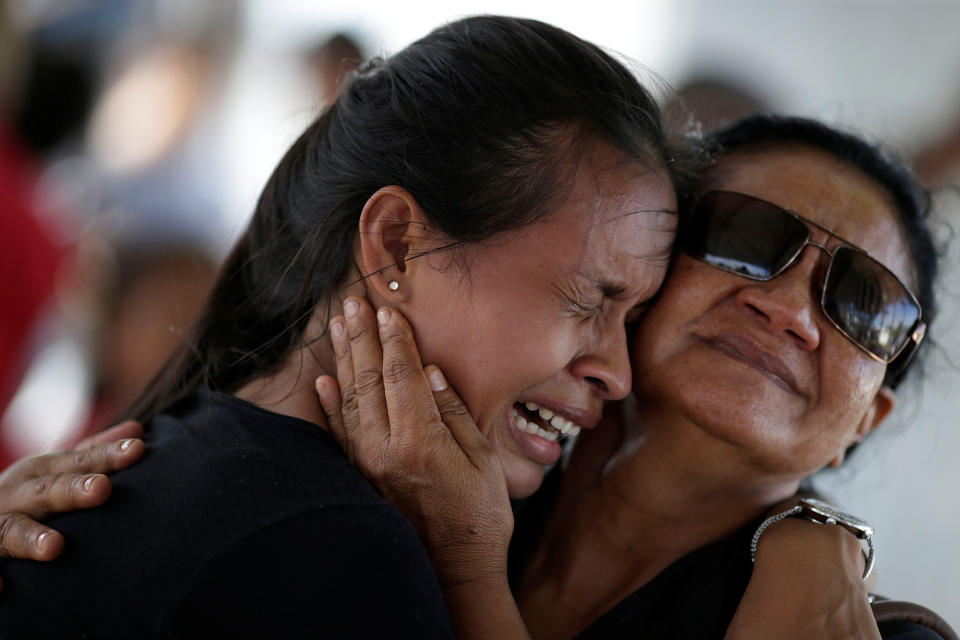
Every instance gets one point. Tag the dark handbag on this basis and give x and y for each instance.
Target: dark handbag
(894, 613)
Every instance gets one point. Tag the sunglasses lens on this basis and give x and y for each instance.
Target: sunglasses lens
(869, 304)
(743, 235)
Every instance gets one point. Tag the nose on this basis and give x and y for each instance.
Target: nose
(788, 303)
(606, 368)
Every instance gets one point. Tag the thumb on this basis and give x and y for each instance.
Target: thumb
(456, 416)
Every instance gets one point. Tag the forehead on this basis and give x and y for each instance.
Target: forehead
(621, 217)
(824, 189)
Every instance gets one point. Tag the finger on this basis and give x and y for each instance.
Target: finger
(367, 359)
(124, 430)
(41, 497)
(410, 403)
(329, 393)
(457, 418)
(348, 393)
(101, 458)
(21, 537)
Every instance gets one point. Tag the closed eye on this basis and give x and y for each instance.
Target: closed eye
(582, 307)
(585, 307)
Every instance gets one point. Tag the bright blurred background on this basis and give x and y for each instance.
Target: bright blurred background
(135, 136)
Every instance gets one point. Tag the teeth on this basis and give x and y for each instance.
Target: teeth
(549, 435)
(560, 425)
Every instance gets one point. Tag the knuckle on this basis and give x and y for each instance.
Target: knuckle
(396, 332)
(348, 400)
(12, 527)
(396, 371)
(343, 356)
(359, 331)
(452, 407)
(367, 380)
(82, 458)
(41, 486)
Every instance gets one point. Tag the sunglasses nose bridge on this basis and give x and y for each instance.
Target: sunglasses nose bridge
(798, 256)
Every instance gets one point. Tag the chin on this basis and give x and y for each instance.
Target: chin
(523, 480)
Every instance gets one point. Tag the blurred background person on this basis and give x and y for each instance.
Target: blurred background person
(118, 104)
(44, 97)
(331, 61)
(147, 300)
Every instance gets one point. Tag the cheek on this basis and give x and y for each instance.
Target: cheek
(849, 380)
(680, 303)
(492, 351)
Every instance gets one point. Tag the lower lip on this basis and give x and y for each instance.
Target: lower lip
(541, 450)
(736, 355)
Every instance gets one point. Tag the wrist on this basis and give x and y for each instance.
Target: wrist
(824, 523)
(797, 546)
(463, 565)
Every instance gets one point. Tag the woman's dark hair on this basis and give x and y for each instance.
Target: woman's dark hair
(479, 121)
(912, 201)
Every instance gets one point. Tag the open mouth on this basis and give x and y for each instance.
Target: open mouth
(536, 420)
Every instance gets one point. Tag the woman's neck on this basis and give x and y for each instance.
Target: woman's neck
(629, 506)
(291, 390)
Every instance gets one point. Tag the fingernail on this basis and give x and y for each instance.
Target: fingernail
(437, 381)
(383, 316)
(351, 307)
(88, 483)
(336, 329)
(125, 444)
(40, 538)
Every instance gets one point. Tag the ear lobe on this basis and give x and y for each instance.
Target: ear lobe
(881, 406)
(391, 221)
(878, 411)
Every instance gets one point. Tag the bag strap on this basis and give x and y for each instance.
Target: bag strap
(899, 610)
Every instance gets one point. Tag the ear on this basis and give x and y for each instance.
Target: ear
(392, 229)
(877, 412)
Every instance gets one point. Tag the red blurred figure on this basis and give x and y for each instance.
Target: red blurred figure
(29, 260)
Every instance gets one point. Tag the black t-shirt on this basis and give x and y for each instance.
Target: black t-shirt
(239, 522)
(694, 598)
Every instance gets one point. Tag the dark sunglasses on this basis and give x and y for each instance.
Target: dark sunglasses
(758, 240)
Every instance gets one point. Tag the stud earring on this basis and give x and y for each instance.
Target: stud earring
(393, 285)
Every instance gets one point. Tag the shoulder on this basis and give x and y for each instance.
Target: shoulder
(354, 571)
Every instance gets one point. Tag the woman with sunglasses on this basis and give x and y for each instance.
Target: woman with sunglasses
(802, 290)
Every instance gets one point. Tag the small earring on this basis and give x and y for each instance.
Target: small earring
(393, 285)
